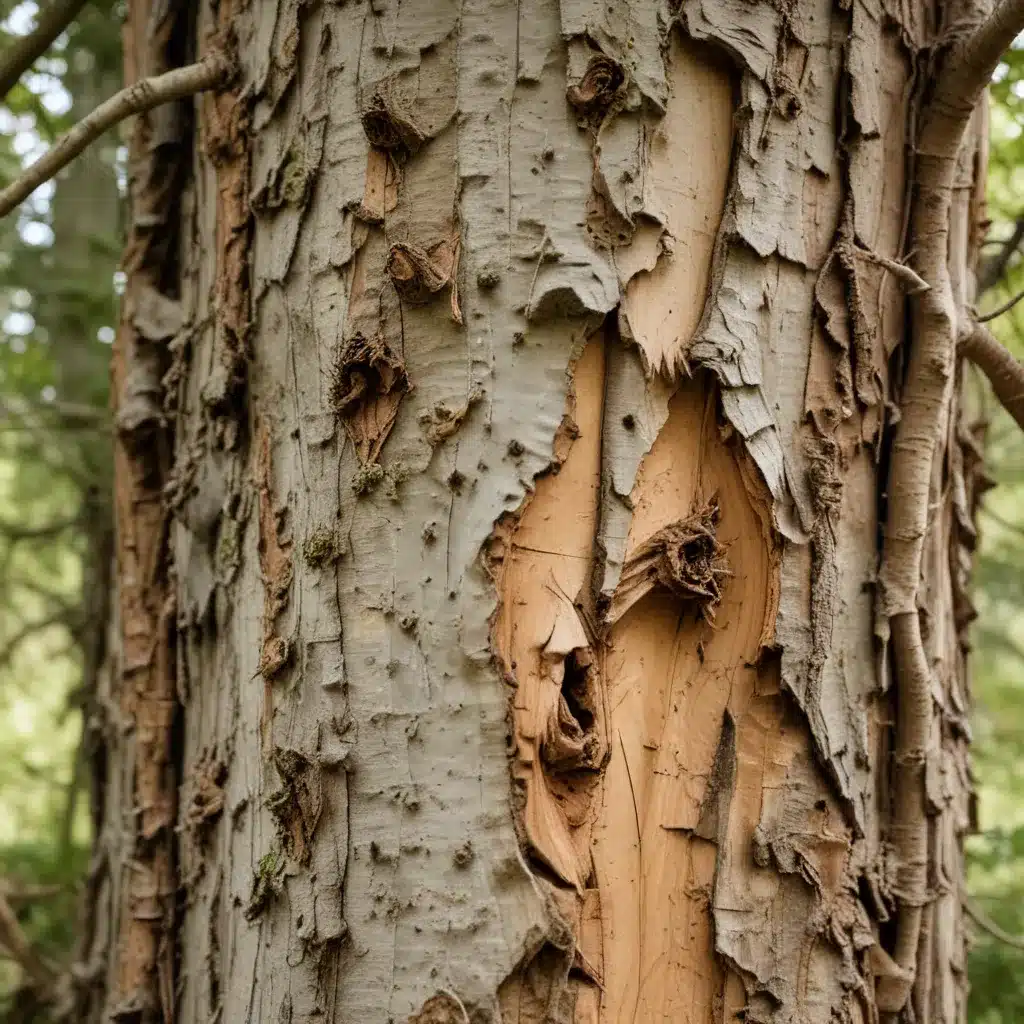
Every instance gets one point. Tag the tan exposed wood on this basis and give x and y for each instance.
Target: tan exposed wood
(690, 159)
(545, 571)
(671, 677)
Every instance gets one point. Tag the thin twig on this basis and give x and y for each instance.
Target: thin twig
(17, 531)
(10, 649)
(21, 55)
(1004, 308)
(911, 282)
(28, 892)
(210, 72)
(1000, 521)
(986, 924)
(21, 406)
(16, 945)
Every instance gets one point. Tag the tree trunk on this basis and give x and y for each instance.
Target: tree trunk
(506, 409)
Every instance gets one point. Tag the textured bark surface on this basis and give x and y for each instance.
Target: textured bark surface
(503, 640)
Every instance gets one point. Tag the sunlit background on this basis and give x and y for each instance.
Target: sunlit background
(58, 287)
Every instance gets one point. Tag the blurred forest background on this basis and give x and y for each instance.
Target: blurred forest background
(58, 305)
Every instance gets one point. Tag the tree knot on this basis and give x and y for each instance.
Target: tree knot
(387, 128)
(599, 87)
(416, 274)
(684, 557)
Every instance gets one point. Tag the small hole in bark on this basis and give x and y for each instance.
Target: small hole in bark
(628, 421)
(789, 105)
(515, 448)
(575, 689)
(456, 480)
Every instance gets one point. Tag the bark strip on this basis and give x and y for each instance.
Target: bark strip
(144, 983)
(957, 86)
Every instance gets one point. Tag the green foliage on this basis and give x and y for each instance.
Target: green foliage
(58, 255)
(996, 855)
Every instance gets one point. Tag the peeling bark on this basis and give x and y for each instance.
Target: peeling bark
(540, 383)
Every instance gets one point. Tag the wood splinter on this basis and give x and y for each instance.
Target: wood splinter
(684, 557)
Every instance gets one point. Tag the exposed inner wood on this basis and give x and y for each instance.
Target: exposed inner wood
(689, 165)
(671, 677)
(548, 646)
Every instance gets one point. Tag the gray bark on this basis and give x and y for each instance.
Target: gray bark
(531, 407)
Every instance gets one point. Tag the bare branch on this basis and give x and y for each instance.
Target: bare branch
(986, 924)
(15, 944)
(911, 282)
(981, 52)
(1004, 372)
(27, 892)
(21, 55)
(29, 629)
(1005, 524)
(1000, 310)
(210, 72)
(962, 77)
(51, 597)
(17, 531)
(993, 269)
(20, 406)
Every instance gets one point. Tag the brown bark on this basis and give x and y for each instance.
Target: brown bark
(532, 374)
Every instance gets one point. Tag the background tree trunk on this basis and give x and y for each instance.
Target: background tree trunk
(520, 401)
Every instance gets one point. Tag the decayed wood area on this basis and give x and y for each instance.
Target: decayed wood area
(545, 514)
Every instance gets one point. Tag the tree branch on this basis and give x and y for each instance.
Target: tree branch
(8, 652)
(20, 56)
(16, 945)
(20, 406)
(984, 48)
(963, 72)
(16, 531)
(27, 892)
(1004, 308)
(986, 924)
(963, 75)
(1004, 523)
(210, 72)
(994, 268)
(1004, 372)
